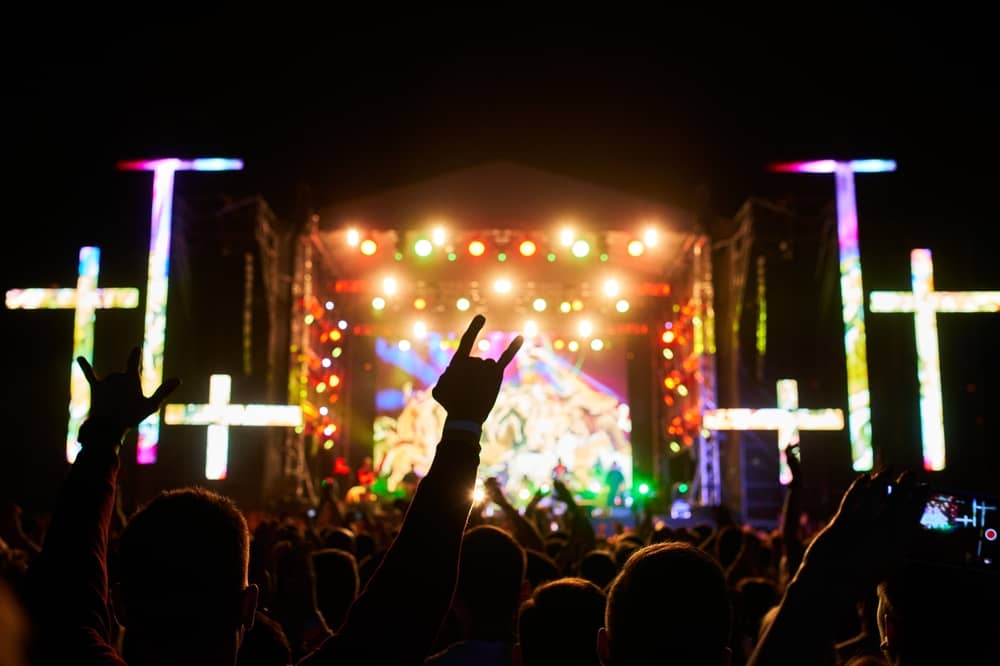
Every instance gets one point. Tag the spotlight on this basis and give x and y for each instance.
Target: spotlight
(581, 248)
(577, 305)
(378, 303)
(404, 345)
(390, 286)
(559, 344)
(650, 237)
(353, 237)
(566, 236)
(597, 344)
(342, 325)
(419, 330)
(668, 337)
(476, 248)
(420, 303)
(611, 288)
(423, 247)
(622, 305)
(573, 345)
(503, 286)
(333, 381)
(530, 329)
(326, 363)
(329, 305)
(437, 235)
(463, 304)
(564, 307)
(585, 328)
(527, 248)
(636, 248)
(369, 247)
(328, 444)
(539, 304)
(323, 411)
(484, 345)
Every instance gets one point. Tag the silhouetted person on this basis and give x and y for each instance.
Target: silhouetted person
(559, 624)
(337, 584)
(599, 568)
(264, 645)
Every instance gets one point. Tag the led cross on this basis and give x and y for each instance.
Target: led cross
(85, 300)
(218, 415)
(852, 296)
(925, 303)
(787, 419)
(157, 280)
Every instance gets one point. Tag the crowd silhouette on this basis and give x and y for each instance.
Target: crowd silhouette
(440, 580)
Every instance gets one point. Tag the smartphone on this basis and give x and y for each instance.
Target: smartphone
(959, 529)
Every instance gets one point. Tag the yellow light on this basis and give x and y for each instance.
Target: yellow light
(463, 304)
(478, 495)
(539, 304)
(404, 345)
(390, 286)
(650, 237)
(611, 288)
(423, 247)
(573, 345)
(320, 387)
(527, 248)
(368, 247)
(585, 328)
(329, 430)
(559, 344)
(530, 328)
(476, 248)
(353, 237)
(420, 303)
(564, 307)
(328, 444)
(335, 336)
(566, 236)
(337, 351)
(378, 303)
(581, 248)
(682, 390)
(503, 286)
(484, 345)
(437, 235)
(668, 353)
(597, 344)
(420, 330)
(636, 248)
(333, 381)
(524, 493)
(577, 305)
(622, 305)
(668, 337)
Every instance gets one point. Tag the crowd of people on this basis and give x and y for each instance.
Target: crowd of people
(445, 580)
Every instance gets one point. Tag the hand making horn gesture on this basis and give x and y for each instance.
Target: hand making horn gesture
(469, 387)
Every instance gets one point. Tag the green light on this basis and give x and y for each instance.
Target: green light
(452, 256)
(643, 488)
(399, 256)
(675, 447)
(502, 256)
(423, 247)
(683, 488)
(550, 256)
(604, 256)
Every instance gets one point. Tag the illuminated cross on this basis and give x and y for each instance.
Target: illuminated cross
(157, 279)
(85, 300)
(859, 412)
(925, 303)
(787, 419)
(218, 415)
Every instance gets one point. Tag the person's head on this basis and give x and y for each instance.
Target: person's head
(340, 538)
(669, 602)
(182, 566)
(490, 578)
(599, 568)
(932, 615)
(337, 584)
(540, 568)
(559, 624)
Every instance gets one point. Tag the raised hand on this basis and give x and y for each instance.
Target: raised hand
(495, 492)
(469, 386)
(116, 401)
(793, 454)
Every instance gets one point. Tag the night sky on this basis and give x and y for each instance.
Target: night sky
(324, 108)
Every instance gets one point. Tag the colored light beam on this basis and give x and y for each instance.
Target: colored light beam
(85, 300)
(157, 279)
(787, 419)
(852, 296)
(925, 303)
(219, 415)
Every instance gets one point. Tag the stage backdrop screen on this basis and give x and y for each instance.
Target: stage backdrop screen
(558, 412)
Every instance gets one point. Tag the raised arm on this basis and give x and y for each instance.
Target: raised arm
(419, 570)
(524, 532)
(68, 581)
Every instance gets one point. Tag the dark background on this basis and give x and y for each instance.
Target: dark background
(688, 110)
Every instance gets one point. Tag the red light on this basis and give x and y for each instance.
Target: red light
(476, 248)
(668, 337)
(527, 248)
(369, 247)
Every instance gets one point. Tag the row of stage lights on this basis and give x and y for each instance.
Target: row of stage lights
(578, 247)
(528, 330)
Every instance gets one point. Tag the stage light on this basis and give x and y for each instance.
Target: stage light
(321, 387)
(398, 256)
(390, 286)
(539, 305)
(550, 257)
(368, 247)
(573, 345)
(524, 494)
(463, 304)
(328, 444)
(577, 305)
(682, 390)
(423, 248)
(611, 288)
(337, 351)
(476, 248)
(622, 306)
(353, 237)
(326, 363)
(566, 237)
(329, 305)
(335, 336)
(419, 330)
(437, 235)
(597, 344)
(636, 248)
(323, 411)
(650, 237)
(581, 248)
(329, 430)
(484, 345)
(643, 488)
(503, 286)
(452, 256)
(420, 303)
(559, 344)
(668, 337)
(668, 354)
(675, 447)
(478, 495)
(404, 345)
(527, 248)
(530, 329)
(564, 307)
(502, 256)
(682, 488)
(333, 381)
(378, 303)
(585, 328)
(309, 319)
